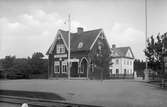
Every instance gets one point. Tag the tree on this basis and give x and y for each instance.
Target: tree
(8, 62)
(38, 64)
(154, 52)
(22, 67)
(139, 67)
(37, 55)
(102, 60)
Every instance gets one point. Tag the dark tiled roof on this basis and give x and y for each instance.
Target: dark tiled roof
(121, 51)
(86, 38)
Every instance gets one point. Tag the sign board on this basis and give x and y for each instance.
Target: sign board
(73, 60)
(60, 56)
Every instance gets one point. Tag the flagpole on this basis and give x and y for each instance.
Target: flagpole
(146, 31)
(69, 28)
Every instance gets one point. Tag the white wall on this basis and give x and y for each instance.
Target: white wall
(124, 63)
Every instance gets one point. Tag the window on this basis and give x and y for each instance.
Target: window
(131, 71)
(56, 67)
(117, 61)
(124, 71)
(60, 48)
(80, 45)
(58, 37)
(99, 47)
(64, 67)
(127, 62)
(124, 61)
(130, 62)
(127, 71)
(117, 71)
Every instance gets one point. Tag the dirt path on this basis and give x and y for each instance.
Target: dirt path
(116, 93)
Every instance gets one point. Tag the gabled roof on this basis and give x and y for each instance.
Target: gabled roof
(86, 38)
(121, 52)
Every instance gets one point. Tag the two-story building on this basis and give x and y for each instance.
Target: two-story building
(84, 46)
(123, 62)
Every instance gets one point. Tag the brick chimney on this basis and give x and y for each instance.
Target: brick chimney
(113, 46)
(80, 30)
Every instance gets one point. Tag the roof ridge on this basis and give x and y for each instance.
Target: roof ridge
(83, 31)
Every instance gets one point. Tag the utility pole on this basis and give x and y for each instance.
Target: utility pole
(69, 28)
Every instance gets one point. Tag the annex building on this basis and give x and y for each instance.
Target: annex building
(123, 62)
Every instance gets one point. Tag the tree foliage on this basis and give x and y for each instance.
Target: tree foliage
(8, 62)
(101, 58)
(154, 51)
(139, 67)
(25, 66)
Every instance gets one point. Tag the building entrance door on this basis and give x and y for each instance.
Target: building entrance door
(74, 70)
(83, 71)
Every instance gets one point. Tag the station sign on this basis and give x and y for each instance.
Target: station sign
(60, 56)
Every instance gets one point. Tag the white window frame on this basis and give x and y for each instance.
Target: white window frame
(60, 48)
(117, 61)
(127, 62)
(56, 64)
(64, 65)
(130, 62)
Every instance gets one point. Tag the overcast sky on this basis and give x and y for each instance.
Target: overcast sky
(28, 26)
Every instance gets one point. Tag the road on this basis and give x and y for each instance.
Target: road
(109, 93)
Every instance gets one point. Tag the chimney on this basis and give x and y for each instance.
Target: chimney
(113, 46)
(80, 30)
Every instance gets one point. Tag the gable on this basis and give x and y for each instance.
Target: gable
(129, 54)
(123, 52)
(58, 37)
(101, 36)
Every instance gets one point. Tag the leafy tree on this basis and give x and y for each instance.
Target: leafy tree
(37, 55)
(102, 60)
(8, 62)
(38, 64)
(154, 51)
(139, 66)
(22, 67)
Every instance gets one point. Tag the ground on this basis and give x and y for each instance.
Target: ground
(109, 93)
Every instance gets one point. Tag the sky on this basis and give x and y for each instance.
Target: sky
(28, 26)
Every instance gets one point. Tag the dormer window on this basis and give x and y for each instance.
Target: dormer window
(60, 48)
(80, 45)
